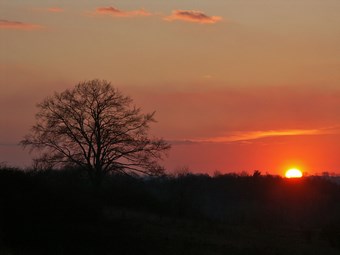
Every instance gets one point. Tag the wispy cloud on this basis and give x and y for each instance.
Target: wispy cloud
(17, 25)
(193, 16)
(115, 12)
(253, 135)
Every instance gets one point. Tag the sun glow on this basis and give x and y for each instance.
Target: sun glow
(293, 173)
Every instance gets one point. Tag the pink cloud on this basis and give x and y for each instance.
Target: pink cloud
(112, 11)
(253, 135)
(17, 25)
(55, 9)
(193, 16)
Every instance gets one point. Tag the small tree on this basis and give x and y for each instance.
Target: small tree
(97, 128)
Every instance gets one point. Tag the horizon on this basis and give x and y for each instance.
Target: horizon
(236, 86)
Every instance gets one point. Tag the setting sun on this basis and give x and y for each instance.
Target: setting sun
(293, 173)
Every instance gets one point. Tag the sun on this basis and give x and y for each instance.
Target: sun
(293, 173)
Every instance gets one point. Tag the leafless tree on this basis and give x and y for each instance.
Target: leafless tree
(96, 127)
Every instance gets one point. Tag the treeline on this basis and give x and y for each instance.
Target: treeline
(61, 212)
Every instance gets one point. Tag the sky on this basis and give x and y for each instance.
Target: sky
(236, 85)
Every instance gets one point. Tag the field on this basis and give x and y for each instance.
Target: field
(61, 212)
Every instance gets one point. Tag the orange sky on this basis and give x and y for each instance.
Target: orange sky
(237, 85)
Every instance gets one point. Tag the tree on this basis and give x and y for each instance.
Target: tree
(96, 127)
(257, 173)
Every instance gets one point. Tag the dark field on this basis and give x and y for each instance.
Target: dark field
(60, 212)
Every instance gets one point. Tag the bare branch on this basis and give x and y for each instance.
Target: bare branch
(96, 127)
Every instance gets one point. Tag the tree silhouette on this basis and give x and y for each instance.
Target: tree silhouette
(96, 127)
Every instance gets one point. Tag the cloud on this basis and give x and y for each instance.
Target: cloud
(182, 142)
(193, 16)
(253, 135)
(112, 11)
(248, 136)
(17, 25)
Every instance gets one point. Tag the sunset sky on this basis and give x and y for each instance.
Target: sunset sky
(236, 85)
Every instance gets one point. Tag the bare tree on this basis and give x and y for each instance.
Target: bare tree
(97, 128)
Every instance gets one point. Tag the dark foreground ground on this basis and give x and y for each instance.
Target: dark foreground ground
(59, 212)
